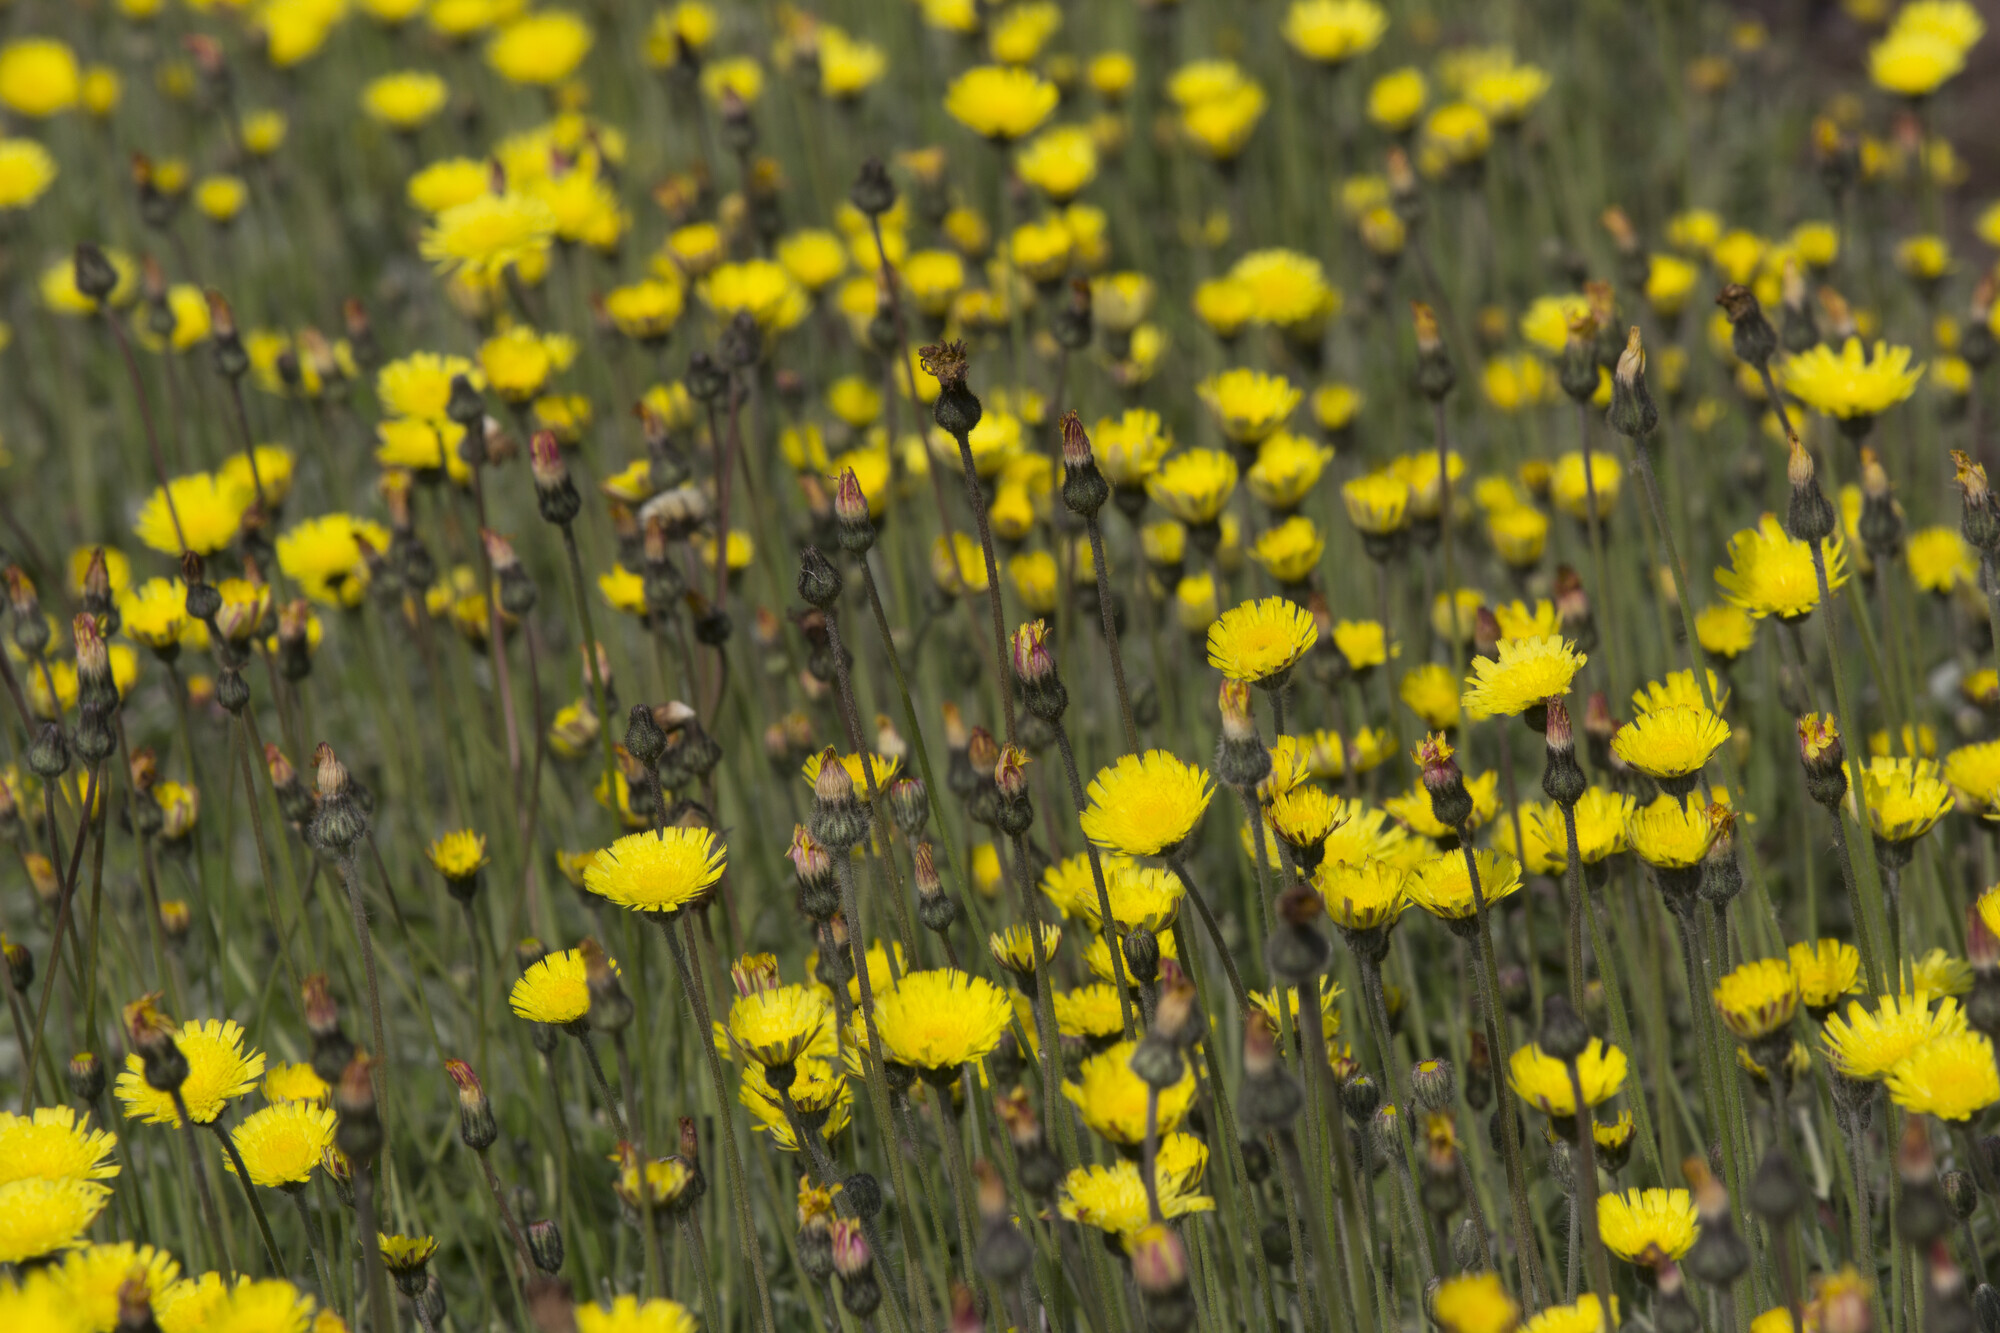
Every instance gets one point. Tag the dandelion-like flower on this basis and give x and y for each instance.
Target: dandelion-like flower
(629, 1314)
(39, 1216)
(1112, 1199)
(1671, 743)
(1758, 998)
(1528, 671)
(1771, 574)
(1249, 404)
(1442, 885)
(219, 1070)
(1363, 894)
(1906, 797)
(210, 511)
(1474, 1303)
(554, 990)
(483, 237)
(54, 1143)
(1000, 102)
(1866, 1043)
(91, 1277)
(1112, 1099)
(775, 1026)
(1951, 1077)
(1586, 1315)
(1826, 970)
(1638, 1220)
(1260, 642)
(280, 1145)
(1378, 504)
(1672, 834)
(1542, 1081)
(657, 871)
(1146, 804)
(1194, 485)
(1850, 382)
(940, 1019)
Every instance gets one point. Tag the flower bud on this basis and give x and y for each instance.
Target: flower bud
(838, 818)
(1434, 374)
(957, 409)
(854, 527)
(555, 493)
(1010, 780)
(1241, 759)
(1632, 414)
(1810, 518)
(1751, 335)
(545, 1244)
(1042, 689)
(1563, 780)
(358, 1128)
(1084, 489)
(475, 1112)
(1451, 803)
(935, 908)
(819, 581)
(873, 192)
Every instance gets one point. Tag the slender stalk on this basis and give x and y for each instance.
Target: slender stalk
(242, 1174)
(590, 663)
(1586, 1138)
(1103, 572)
(1177, 862)
(1119, 980)
(209, 1212)
(314, 1244)
(976, 498)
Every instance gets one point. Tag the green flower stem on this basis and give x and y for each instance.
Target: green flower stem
(242, 1174)
(1621, 1025)
(1334, 1258)
(1177, 862)
(976, 500)
(314, 1244)
(1586, 1194)
(1102, 570)
(1119, 981)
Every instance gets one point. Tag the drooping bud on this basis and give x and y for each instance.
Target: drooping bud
(1751, 335)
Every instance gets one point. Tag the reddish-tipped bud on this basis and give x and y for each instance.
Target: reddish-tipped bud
(1010, 773)
(851, 1257)
(1159, 1263)
(982, 750)
(754, 973)
(1033, 663)
(850, 504)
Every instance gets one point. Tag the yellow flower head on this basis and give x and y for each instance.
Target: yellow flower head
(1913, 62)
(1288, 466)
(1638, 1220)
(1014, 948)
(53, 1143)
(1475, 1303)
(39, 1216)
(629, 1314)
(1260, 642)
(1671, 834)
(1091, 1011)
(405, 99)
(1950, 1077)
(1825, 970)
(1528, 671)
(1333, 32)
(1249, 404)
(458, 855)
(209, 510)
(1905, 797)
(1220, 126)
(1378, 503)
(1431, 691)
(1000, 102)
(1850, 382)
(1286, 289)
(941, 1018)
(294, 1083)
(1113, 1199)
(555, 989)
(1146, 804)
(323, 556)
(483, 237)
(1866, 1043)
(281, 1144)
(1771, 574)
(1112, 1099)
(39, 77)
(1291, 551)
(1586, 1315)
(776, 1025)
(1542, 1081)
(219, 1070)
(1725, 630)
(660, 870)
(90, 1278)
(1140, 896)
(1758, 998)
(26, 170)
(1059, 161)
(1194, 485)
(1397, 98)
(1673, 742)
(1940, 560)
(1570, 486)
(541, 48)
(1442, 885)
(1268, 1004)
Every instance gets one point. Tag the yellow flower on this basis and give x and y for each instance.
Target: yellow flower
(155, 613)
(1000, 102)
(1974, 773)
(1474, 1303)
(1333, 32)
(1089, 1011)
(1586, 1315)
(1725, 630)
(1940, 560)
(90, 1278)
(1194, 485)
(1771, 574)
(294, 1083)
(1361, 894)
(1642, 1219)
(323, 556)
(1825, 970)
(1905, 797)
(1260, 642)
(1949, 1077)
(405, 99)
(448, 183)
(1671, 742)
(1014, 948)
(657, 871)
(1869, 1042)
(883, 767)
(221, 198)
(847, 67)
(1378, 503)
(1112, 1199)
(1508, 95)
(1289, 290)
(629, 1314)
(1397, 98)
(644, 310)
(40, 1216)
(486, 235)
(1112, 1099)
(1542, 1081)
(776, 1025)
(1147, 804)
(1670, 834)
(1570, 487)
(1516, 382)
(941, 1019)
(1442, 885)
(1850, 382)
(53, 1143)
(1248, 404)
(762, 288)
(1527, 672)
(1758, 998)
(1059, 161)
(1225, 305)
(458, 855)
(39, 77)
(1456, 134)
(1431, 691)
(1291, 551)
(541, 48)
(554, 990)
(1546, 321)
(1363, 643)
(219, 1069)
(281, 1144)
(1221, 126)
(26, 171)
(1669, 280)
(1288, 466)
(209, 511)
(1913, 62)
